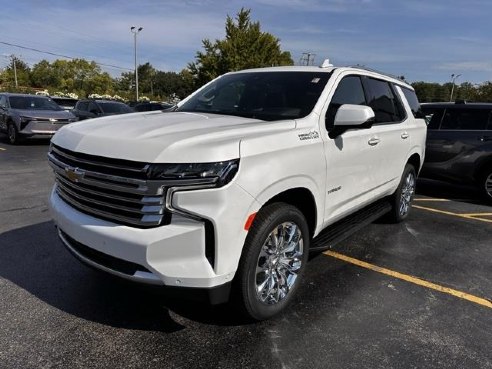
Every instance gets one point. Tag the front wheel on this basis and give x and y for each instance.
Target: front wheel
(13, 134)
(401, 200)
(273, 261)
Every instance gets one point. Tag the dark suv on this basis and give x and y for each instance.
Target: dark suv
(459, 144)
(23, 116)
(152, 106)
(98, 108)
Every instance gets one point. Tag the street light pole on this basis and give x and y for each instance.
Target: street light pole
(453, 78)
(135, 31)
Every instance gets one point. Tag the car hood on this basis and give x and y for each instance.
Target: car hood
(165, 137)
(44, 114)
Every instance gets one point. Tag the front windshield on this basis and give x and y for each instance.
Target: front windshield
(112, 107)
(261, 95)
(33, 103)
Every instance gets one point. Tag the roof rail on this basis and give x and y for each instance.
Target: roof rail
(369, 69)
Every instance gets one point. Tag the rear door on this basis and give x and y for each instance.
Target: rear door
(390, 134)
(461, 131)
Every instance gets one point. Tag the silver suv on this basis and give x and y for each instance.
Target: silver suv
(23, 116)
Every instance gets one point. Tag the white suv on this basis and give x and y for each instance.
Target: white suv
(238, 183)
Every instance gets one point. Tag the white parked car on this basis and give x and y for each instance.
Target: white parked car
(238, 183)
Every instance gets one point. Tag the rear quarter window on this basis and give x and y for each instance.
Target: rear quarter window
(413, 101)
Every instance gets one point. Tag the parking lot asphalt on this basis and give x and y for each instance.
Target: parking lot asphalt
(412, 295)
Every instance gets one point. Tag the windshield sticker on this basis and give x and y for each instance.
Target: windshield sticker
(315, 80)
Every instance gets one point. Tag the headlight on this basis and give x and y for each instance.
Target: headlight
(218, 173)
(26, 119)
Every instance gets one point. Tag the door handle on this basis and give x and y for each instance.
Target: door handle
(373, 141)
(404, 135)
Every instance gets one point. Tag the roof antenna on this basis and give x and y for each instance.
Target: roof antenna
(326, 64)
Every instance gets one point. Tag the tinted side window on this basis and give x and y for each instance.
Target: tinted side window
(349, 91)
(387, 108)
(3, 102)
(413, 101)
(83, 105)
(433, 117)
(465, 119)
(489, 125)
(93, 108)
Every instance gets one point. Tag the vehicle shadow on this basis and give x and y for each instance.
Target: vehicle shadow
(26, 142)
(450, 191)
(34, 259)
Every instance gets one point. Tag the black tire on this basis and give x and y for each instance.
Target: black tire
(485, 184)
(401, 200)
(272, 218)
(12, 134)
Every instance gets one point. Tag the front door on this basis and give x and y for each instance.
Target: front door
(350, 157)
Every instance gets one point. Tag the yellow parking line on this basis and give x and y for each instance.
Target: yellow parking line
(431, 199)
(411, 279)
(2, 149)
(478, 214)
(465, 216)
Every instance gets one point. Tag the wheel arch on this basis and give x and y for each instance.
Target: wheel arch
(303, 199)
(485, 163)
(415, 160)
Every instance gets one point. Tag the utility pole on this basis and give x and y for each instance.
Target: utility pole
(15, 69)
(453, 79)
(135, 31)
(307, 59)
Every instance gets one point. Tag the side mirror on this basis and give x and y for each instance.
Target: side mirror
(352, 117)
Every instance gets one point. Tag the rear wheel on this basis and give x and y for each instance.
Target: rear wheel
(13, 134)
(485, 184)
(273, 261)
(401, 200)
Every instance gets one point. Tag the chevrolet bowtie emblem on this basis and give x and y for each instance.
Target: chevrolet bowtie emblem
(74, 174)
(53, 120)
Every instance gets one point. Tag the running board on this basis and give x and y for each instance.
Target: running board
(346, 227)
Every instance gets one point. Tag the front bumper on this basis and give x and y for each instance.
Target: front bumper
(40, 129)
(170, 255)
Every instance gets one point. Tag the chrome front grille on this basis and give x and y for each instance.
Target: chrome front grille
(53, 120)
(111, 189)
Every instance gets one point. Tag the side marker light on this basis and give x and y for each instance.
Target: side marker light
(249, 221)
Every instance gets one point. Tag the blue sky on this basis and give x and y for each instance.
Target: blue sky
(421, 39)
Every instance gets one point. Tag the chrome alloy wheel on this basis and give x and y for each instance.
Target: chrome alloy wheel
(278, 263)
(407, 191)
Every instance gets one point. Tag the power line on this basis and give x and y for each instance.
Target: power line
(60, 55)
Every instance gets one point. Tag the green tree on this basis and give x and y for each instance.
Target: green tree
(245, 46)
(169, 84)
(78, 75)
(43, 75)
(19, 69)
(431, 92)
(485, 92)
